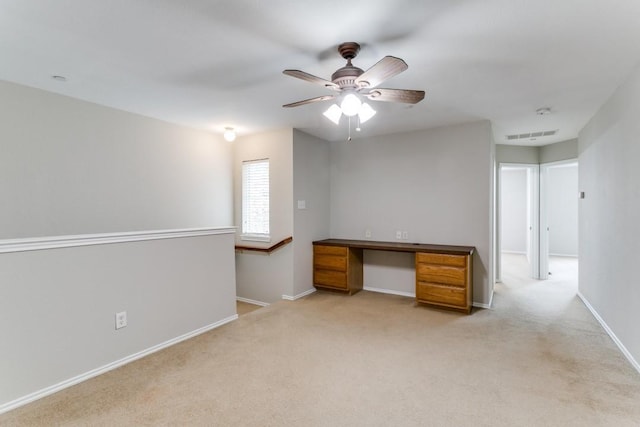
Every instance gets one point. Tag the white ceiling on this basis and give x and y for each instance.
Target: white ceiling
(211, 64)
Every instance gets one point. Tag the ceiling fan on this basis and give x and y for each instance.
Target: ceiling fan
(350, 81)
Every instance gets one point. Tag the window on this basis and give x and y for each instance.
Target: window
(255, 200)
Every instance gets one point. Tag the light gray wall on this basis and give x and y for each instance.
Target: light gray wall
(69, 167)
(57, 310)
(266, 278)
(73, 167)
(566, 150)
(562, 203)
(311, 185)
(513, 210)
(609, 154)
(517, 154)
(434, 184)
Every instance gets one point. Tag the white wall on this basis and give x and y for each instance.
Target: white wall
(434, 184)
(513, 210)
(73, 167)
(609, 154)
(562, 203)
(260, 277)
(311, 185)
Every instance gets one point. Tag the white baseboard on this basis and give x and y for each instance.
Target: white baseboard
(613, 336)
(483, 305)
(302, 295)
(390, 291)
(108, 367)
(252, 301)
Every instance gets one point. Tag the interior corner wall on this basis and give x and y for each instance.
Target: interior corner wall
(260, 277)
(311, 222)
(435, 184)
(609, 153)
(70, 167)
(517, 154)
(565, 150)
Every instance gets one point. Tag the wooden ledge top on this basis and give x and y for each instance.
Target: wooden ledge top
(397, 246)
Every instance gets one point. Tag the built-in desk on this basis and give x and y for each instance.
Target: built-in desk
(444, 274)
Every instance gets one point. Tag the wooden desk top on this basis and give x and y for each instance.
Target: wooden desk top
(397, 246)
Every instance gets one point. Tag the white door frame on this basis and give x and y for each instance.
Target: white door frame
(533, 200)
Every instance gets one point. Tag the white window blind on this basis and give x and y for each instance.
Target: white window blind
(255, 200)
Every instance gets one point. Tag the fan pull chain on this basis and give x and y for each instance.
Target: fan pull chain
(349, 138)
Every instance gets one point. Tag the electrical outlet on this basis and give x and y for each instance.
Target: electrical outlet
(121, 319)
(398, 234)
(367, 233)
(405, 235)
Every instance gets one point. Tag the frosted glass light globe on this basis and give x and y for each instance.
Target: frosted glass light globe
(350, 105)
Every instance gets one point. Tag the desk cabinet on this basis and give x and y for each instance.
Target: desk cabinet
(338, 268)
(444, 280)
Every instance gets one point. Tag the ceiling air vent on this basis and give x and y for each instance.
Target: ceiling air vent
(530, 135)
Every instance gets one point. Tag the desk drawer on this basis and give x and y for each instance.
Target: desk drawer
(442, 259)
(441, 294)
(333, 279)
(330, 250)
(441, 274)
(330, 262)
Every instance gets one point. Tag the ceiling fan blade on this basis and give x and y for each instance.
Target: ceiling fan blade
(395, 95)
(310, 100)
(382, 70)
(311, 78)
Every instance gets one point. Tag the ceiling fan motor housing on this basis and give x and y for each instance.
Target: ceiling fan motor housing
(345, 77)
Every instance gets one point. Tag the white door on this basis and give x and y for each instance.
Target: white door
(558, 212)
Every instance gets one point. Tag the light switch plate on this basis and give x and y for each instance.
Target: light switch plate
(302, 204)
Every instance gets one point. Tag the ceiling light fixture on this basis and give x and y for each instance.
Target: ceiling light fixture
(333, 113)
(229, 134)
(350, 106)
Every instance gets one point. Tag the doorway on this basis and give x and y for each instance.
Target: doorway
(518, 213)
(559, 219)
(538, 220)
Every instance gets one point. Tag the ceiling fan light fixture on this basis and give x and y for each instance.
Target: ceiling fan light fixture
(350, 105)
(229, 134)
(366, 112)
(333, 113)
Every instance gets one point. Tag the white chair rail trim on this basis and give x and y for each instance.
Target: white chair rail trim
(42, 243)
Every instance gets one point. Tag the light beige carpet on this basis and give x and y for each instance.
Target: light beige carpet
(537, 359)
(243, 308)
